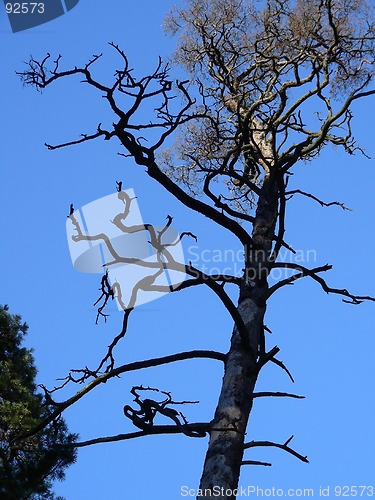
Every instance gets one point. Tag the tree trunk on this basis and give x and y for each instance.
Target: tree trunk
(225, 449)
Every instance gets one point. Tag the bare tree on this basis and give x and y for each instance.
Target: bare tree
(270, 84)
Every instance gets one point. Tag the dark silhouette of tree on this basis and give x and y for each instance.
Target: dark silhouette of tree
(27, 465)
(270, 84)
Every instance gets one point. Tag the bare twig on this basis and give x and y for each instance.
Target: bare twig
(107, 293)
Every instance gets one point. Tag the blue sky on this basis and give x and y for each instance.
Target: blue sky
(328, 345)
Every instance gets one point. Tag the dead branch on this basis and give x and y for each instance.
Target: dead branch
(256, 462)
(40, 76)
(107, 293)
(354, 299)
(109, 356)
(290, 194)
(116, 372)
(276, 394)
(284, 446)
(282, 366)
(84, 138)
(200, 429)
(290, 280)
(268, 356)
(149, 409)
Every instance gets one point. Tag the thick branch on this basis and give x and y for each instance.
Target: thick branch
(136, 365)
(199, 428)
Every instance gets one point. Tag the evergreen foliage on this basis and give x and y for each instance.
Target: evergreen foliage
(28, 464)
